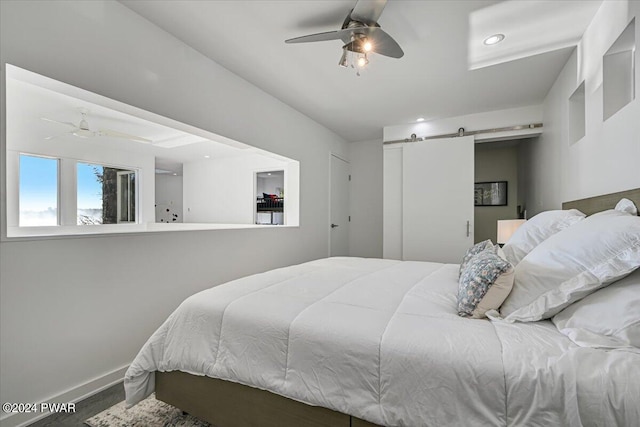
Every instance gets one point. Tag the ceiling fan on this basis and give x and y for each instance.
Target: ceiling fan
(82, 130)
(361, 35)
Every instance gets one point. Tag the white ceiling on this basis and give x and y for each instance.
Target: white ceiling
(432, 80)
(32, 97)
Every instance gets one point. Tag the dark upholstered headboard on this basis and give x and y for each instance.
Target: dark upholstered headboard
(600, 203)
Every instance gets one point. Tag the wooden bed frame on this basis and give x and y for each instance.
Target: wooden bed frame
(224, 404)
(600, 203)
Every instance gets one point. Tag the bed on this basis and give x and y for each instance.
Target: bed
(357, 342)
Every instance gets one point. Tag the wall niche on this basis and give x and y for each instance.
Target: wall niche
(618, 74)
(577, 115)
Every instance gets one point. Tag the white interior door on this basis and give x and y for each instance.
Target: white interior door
(437, 202)
(339, 208)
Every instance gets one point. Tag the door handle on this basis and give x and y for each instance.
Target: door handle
(334, 225)
(468, 226)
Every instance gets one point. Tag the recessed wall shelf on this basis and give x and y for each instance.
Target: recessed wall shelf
(618, 73)
(577, 115)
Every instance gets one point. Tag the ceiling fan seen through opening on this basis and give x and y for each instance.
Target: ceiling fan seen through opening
(82, 130)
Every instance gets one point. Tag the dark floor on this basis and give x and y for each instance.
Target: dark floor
(85, 409)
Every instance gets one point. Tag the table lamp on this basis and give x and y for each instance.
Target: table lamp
(506, 228)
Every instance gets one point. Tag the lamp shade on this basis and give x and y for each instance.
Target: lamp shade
(506, 228)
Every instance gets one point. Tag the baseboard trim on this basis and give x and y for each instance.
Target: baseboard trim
(75, 395)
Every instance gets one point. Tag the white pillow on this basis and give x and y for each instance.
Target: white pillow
(609, 318)
(626, 205)
(572, 264)
(536, 230)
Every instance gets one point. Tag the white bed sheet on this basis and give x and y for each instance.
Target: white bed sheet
(381, 340)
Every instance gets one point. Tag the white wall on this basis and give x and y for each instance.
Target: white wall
(74, 311)
(392, 197)
(222, 190)
(269, 185)
(169, 197)
(605, 160)
(365, 204)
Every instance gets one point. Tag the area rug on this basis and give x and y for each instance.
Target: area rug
(148, 413)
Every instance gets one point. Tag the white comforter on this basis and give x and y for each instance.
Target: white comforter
(381, 340)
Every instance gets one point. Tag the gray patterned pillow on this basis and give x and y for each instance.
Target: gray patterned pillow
(484, 284)
(473, 251)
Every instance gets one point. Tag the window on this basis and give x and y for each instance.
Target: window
(105, 195)
(38, 191)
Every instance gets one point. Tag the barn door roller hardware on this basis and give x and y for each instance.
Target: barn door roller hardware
(462, 132)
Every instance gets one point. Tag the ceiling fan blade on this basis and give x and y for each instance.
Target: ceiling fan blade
(344, 35)
(383, 43)
(368, 11)
(319, 37)
(60, 123)
(114, 134)
(49, 138)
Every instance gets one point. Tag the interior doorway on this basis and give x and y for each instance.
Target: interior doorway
(498, 161)
(269, 206)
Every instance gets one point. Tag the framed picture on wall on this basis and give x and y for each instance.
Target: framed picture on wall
(490, 193)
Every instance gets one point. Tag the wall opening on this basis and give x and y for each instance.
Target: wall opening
(618, 72)
(497, 162)
(113, 168)
(577, 115)
(270, 197)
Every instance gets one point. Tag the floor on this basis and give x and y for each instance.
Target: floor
(85, 409)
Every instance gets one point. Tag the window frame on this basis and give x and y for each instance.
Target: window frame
(67, 198)
(119, 175)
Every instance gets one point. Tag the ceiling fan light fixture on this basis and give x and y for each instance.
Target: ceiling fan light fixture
(353, 59)
(343, 59)
(367, 46)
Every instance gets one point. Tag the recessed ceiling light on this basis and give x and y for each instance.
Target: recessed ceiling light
(494, 39)
(207, 156)
(420, 119)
